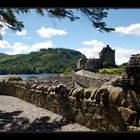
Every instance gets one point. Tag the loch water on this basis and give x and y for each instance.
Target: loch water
(25, 76)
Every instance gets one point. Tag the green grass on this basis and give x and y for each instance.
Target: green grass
(116, 71)
(68, 72)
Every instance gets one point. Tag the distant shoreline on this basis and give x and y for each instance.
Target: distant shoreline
(25, 76)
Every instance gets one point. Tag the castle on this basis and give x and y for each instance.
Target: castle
(106, 59)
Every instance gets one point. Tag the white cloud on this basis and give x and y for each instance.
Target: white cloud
(123, 55)
(49, 32)
(133, 29)
(38, 46)
(94, 47)
(93, 43)
(21, 33)
(4, 44)
(19, 48)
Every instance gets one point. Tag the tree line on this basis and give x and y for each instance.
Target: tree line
(51, 60)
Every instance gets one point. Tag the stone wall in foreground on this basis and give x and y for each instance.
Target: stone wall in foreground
(76, 105)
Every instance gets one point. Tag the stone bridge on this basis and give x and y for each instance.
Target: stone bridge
(76, 105)
(85, 79)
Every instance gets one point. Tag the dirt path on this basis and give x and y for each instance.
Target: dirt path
(17, 115)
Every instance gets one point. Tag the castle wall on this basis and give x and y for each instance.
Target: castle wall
(90, 65)
(93, 64)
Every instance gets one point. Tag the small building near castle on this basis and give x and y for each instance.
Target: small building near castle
(106, 59)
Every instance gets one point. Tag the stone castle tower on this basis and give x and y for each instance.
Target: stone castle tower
(106, 59)
(107, 56)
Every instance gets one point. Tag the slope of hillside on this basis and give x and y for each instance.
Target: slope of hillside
(52, 60)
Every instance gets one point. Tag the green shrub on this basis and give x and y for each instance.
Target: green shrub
(68, 72)
(116, 71)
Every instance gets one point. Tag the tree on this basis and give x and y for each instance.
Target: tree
(94, 15)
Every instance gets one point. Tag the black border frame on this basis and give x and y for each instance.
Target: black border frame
(71, 4)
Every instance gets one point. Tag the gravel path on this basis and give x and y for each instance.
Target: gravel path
(17, 115)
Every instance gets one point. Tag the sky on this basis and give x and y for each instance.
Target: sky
(44, 32)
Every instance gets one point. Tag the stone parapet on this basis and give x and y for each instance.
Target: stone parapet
(87, 79)
(133, 70)
(134, 59)
(77, 105)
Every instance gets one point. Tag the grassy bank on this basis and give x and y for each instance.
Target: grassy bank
(116, 71)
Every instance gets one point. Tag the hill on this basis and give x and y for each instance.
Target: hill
(51, 60)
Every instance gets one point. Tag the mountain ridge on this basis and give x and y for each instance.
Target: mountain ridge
(51, 60)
